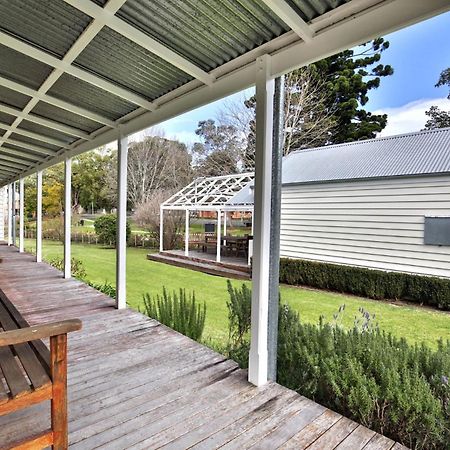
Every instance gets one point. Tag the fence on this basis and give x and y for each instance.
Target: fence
(135, 240)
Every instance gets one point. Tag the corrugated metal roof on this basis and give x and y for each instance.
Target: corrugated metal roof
(426, 152)
(13, 98)
(6, 118)
(65, 117)
(50, 24)
(116, 58)
(22, 69)
(310, 9)
(45, 131)
(28, 140)
(221, 29)
(94, 99)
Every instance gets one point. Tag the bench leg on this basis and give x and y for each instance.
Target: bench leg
(58, 367)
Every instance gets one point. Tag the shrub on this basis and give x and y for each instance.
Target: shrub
(370, 376)
(106, 288)
(106, 229)
(370, 283)
(76, 267)
(179, 312)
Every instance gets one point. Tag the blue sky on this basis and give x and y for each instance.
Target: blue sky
(418, 54)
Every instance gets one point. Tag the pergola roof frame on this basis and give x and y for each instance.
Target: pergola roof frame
(327, 34)
(210, 194)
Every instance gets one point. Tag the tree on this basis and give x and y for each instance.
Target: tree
(437, 117)
(106, 229)
(220, 151)
(89, 171)
(155, 164)
(444, 80)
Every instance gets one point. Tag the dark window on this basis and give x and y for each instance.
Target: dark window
(437, 231)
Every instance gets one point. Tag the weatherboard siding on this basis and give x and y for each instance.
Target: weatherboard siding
(372, 223)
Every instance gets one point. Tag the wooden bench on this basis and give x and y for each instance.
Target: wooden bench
(31, 374)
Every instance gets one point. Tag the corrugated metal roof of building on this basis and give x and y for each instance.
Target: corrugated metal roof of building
(412, 154)
(424, 152)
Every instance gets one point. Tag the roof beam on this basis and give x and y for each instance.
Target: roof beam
(142, 39)
(32, 135)
(56, 102)
(4, 168)
(44, 122)
(291, 18)
(66, 67)
(32, 147)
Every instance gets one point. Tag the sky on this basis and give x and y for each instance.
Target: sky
(418, 54)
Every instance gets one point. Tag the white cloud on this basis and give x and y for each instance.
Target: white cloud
(410, 117)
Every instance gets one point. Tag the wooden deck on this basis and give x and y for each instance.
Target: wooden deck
(135, 384)
(230, 266)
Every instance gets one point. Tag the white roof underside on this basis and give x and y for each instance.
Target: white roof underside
(75, 74)
(211, 193)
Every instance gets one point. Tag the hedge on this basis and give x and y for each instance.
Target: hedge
(370, 283)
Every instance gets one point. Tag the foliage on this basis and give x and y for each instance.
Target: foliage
(376, 284)
(239, 320)
(219, 153)
(106, 229)
(180, 312)
(324, 101)
(89, 171)
(154, 164)
(444, 80)
(147, 216)
(372, 377)
(438, 118)
(105, 287)
(76, 266)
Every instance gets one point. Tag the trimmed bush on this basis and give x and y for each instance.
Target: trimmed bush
(106, 229)
(179, 312)
(375, 284)
(394, 388)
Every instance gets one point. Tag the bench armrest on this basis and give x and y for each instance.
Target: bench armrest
(38, 332)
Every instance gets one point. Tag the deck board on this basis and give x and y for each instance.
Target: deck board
(135, 384)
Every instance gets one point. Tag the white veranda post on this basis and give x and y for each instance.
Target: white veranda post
(67, 215)
(21, 214)
(121, 250)
(219, 237)
(258, 360)
(186, 234)
(39, 216)
(10, 207)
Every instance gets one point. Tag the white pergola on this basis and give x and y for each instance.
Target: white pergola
(218, 194)
(78, 74)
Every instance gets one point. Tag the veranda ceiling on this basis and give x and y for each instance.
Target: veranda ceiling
(75, 74)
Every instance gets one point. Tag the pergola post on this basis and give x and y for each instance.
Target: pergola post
(39, 216)
(121, 250)
(219, 229)
(21, 214)
(9, 214)
(161, 229)
(186, 234)
(224, 223)
(258, 359)
(67, 215)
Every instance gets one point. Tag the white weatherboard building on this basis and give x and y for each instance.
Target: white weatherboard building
(382, 203)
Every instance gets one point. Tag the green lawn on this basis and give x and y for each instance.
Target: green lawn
(414, 323)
